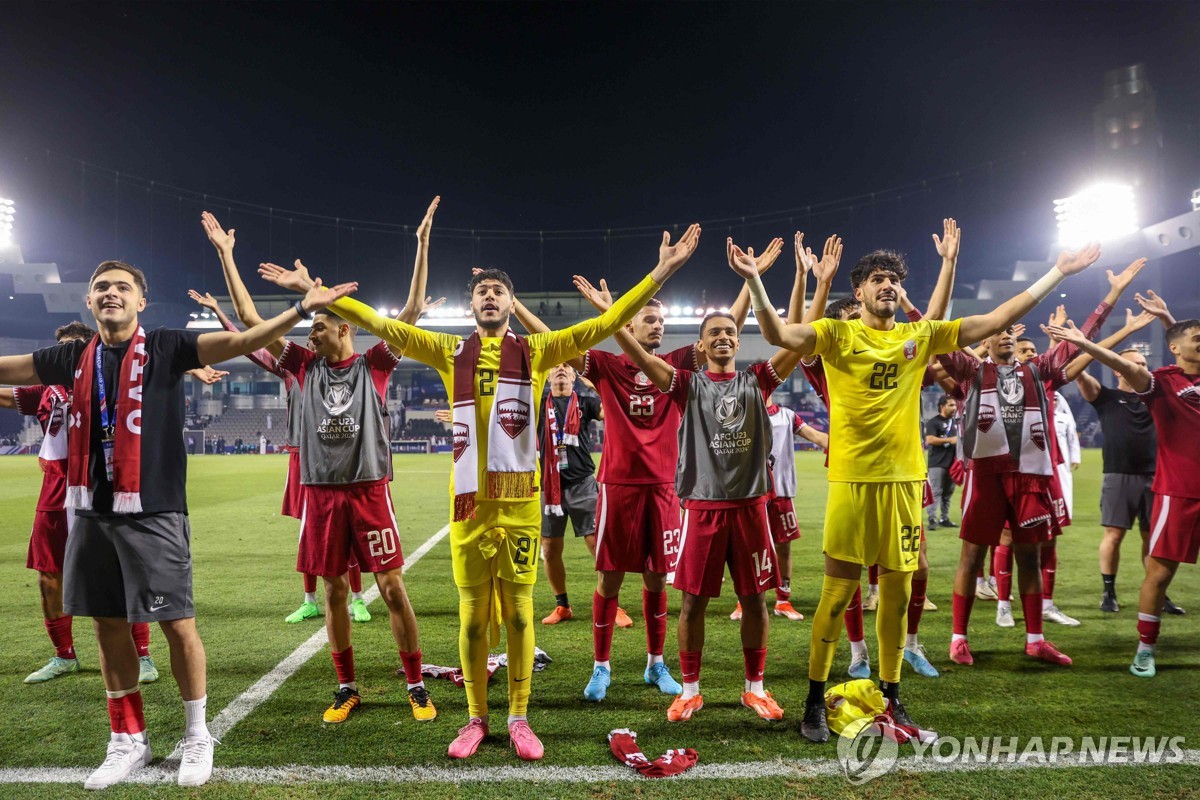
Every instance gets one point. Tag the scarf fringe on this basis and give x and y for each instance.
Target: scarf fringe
(510, 485)
(127, 503)
(554, 510)
(78, 497)
(464, 507)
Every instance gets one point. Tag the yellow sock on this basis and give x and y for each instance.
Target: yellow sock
(516, 607)
(891, 622)
(836, 594)
(474, 602)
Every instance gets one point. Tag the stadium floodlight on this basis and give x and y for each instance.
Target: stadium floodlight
(8, 212)
(395, 311)
(675, 311)
(687, 310)
(1099, 213)
(382, 311)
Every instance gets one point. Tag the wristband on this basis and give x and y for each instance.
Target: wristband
(298, 306)
(1046, 284)
(758, 294)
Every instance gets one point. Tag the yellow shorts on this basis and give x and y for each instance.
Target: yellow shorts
(875, 523)
(509, 531)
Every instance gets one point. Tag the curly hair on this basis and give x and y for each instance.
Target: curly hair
(74, 330)
(489, 275)
(888, 261)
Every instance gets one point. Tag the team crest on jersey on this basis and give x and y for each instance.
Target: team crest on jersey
(1037, 432)
(462, 438)
(514, 416)
(987, 418)
(1189, 394)
(730, 412)
(910, 350)
(640, 380)
(338, 398)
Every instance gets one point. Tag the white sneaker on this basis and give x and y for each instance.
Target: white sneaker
(195, 764)
(125, 755)
(1004, 617)
(985, 591)
(1052, 614)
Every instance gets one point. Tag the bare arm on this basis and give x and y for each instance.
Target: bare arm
(660, 373)
(1080, 363)
(1089, 387)
(824, 270)
(819, 438)
(8, 398)
(18, 370)
(806, 259)
(801, 339)
(1155, 305)
(415, 306)
(980, 326)
(741, 306)
(947, 248)
(1138, 376)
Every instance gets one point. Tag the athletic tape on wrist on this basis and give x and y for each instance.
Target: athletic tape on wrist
(1046, 284)
(758, 294)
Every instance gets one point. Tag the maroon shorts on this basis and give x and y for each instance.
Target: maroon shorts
(712, 538)
(1062, 518)
(927, 497)
(989, 505)
(48, 542)
(782, 515)
(1175, 528)
(637, 528)
(293, 491)
(341, 525)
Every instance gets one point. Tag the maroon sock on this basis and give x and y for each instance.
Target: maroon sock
(310, 583)
(756, 662)
(604, 618)
(355, 573)
(1147, 628)
(654, 610)
(1031, 604)
(916, 605)
(412, 666)
(689, 666)
(60, 636)
(1002, 568)
(782, 595)
(125, 713)
(343, 665)
(962, 613)
(854, 618)
(141, 638)
(1049, 568)
(873, 574)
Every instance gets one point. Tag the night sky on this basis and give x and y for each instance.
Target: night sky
(563, 116)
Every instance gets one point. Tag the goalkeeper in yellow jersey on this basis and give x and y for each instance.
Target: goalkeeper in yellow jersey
(494, 379)
(874, 366)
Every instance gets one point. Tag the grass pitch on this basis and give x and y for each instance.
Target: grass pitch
(245, 584)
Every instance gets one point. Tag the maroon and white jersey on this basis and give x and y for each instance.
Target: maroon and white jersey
(1174, 402)
(641, 425)
(814, 373)
(784, 426)
(51, 405)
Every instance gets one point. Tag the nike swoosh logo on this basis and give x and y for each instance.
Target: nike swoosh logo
(858, 352)
(518, 680)
(828, 641)
(386, 560)
(606, 625)
(1003, 574)
(660, 616)
(156, 608)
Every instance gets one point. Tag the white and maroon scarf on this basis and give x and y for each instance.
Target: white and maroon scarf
(985, 441)
(551, 480)
(127, 447)
(53, 411)
(512, 441)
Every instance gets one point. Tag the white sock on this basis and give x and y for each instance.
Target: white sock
(310, 597)
(1004, 605)
(690, 690)
(873, 588)
(956, 637)
(858, 650)
(352, 685)
(604, 664)
(1145, 648)
(652, 659)
(137, 737)
(516, 718)
(910, 642)
(412, 686)
(755, 687)
(980, 583)
(1031, 638)
(1047, 604)
(193, 711)
(355, 596)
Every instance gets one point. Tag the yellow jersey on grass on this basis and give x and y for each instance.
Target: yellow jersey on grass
(874, 382)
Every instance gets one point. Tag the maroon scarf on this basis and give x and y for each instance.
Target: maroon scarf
(551, 480)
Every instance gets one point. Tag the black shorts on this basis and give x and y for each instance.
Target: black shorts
(579, 505)
(134, 567)
(1125, 499)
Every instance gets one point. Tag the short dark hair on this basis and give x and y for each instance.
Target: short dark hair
(325, 312)
(654, 301)
(74, 330)
(1024, 339)
(878, 261)
(489, 275)
(834, 310)
(1180, 329)
(713, 315)
(139, 277)
(945, 399)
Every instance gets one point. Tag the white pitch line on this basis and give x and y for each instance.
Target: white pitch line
(261, 691)
(780, 768)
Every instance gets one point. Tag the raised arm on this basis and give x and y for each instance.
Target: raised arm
(213, 348)
(1155, 305)
(530, 321)
(947, 248)
(806, 259)
(1089, 387)
(1138, 376)
(1076, 368)
(660, 373)
(980, 326)
(741, 306)
(800, 339)
(823, 271)
(223, 241)
(416, 304)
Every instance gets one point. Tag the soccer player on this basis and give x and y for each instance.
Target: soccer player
(874, 367)
(722, 479)
(128, 557)
(941, 438)
(637, 469)
(568, 479)
(1129, 452)
(492, 378)
(1173, 395)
